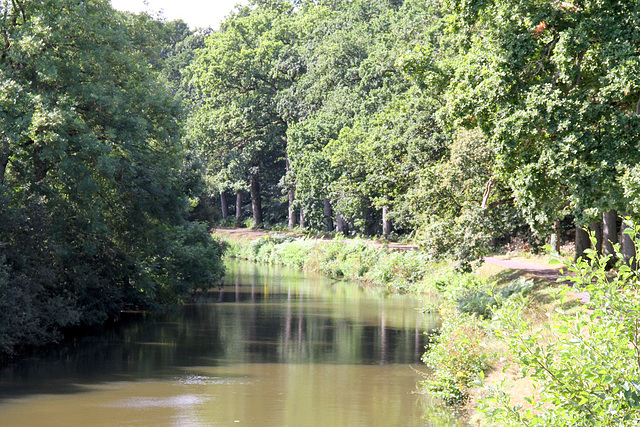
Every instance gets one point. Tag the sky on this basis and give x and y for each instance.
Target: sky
(197, 13)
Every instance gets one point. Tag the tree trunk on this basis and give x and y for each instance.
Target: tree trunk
(223, 205)
(238, 207)
(256, 201)
(596, 228)
(628, 248)
(555, 237)
(341, 224)
(292, 211)
(582, 242)
(609, 234)
(303, 220)
(386, 222)
(4, 159)
(326, 212)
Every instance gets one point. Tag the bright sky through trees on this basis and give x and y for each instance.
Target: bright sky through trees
(197, 13)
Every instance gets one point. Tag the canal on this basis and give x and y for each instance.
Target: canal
(272, 347)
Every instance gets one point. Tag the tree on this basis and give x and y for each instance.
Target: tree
(554, 87)
(238, 75)
(329, 97)
(92, 171)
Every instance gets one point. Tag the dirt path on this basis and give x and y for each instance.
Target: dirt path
(240, 231)
(546, 272)
(258, 233)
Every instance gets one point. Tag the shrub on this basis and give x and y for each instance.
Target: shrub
(456, 357)
(587, 365)
(483, 302)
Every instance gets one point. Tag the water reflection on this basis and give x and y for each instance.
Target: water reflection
(271, 347)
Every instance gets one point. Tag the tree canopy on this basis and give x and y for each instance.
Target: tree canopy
(460, 123)
(464, 122)
(93, 189)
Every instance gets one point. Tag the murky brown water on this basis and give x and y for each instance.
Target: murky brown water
(274, 347)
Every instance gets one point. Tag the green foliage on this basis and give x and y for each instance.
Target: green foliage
(465, 122)
(352, 259)
(236, 127)
(33, 305)
(483, 303)
(456, 356)
(587, 364)
(353, 103)
(554, 88)
(363, 132)
(94, 192)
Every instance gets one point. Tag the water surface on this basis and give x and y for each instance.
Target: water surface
(272, 347)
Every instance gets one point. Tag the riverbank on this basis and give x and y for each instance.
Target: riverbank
(514, 348)
(467, 348)
(355, 259)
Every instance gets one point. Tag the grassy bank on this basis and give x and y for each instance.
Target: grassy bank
(513, 349)
(399, 271)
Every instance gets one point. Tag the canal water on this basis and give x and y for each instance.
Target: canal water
(272, 347)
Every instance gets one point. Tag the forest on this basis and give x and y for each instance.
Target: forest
(462, 124)
(459, 123)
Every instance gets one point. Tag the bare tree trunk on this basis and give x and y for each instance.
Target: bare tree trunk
(223, 205)
(341, 225)
(596, 228)
(386, 222)
(555, 237)
(238, 207)
(292, 211)
(303, 220)
(256, 201)
(4, 159)
(326, 212)
(609, 234)
(628, 248)
(582, 242)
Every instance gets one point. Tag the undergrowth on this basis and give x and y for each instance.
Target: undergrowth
(352, 259)
(464, 349)
(585, 364)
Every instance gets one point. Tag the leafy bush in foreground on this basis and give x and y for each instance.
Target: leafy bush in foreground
(587, 365)
(458, 356)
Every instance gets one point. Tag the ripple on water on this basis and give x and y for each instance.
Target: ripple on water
(205, 380)
(179, 401)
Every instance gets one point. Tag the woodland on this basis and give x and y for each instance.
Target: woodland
(460, 123)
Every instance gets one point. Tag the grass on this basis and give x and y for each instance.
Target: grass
(354, 259)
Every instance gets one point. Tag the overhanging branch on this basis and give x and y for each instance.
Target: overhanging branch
(500, 202)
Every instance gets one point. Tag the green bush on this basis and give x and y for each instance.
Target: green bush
(484, 302)
(457, 356)
(587, 365)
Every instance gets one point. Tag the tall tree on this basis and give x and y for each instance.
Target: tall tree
(92, 169)
(555, 88)
(239, 75)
